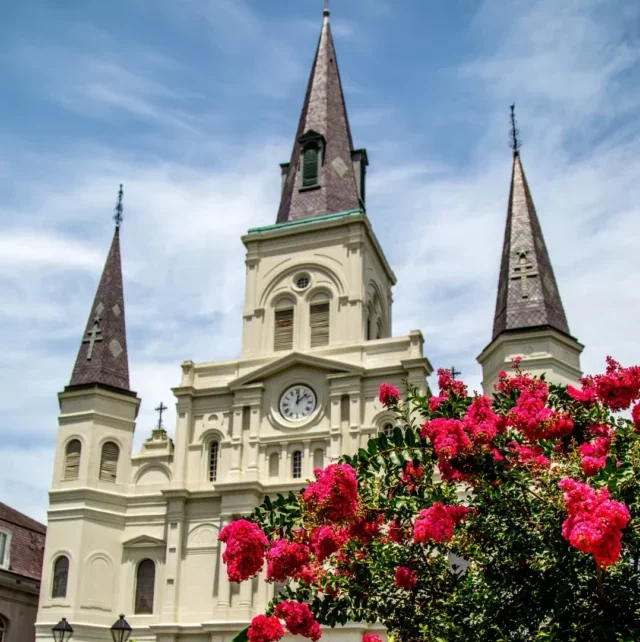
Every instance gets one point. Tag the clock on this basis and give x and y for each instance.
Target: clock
(297, 402)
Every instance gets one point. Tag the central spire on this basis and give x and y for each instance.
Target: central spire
(325, 174)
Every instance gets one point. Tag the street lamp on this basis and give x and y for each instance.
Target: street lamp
(120, 631)
(62, 631)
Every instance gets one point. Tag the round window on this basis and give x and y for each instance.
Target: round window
(302, 281)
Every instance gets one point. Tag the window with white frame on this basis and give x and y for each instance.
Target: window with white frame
(5, 549)
(319, 320)
(283, 325)
(109, 462)
(387, 429)
(60, 577)
(213, 461)
(145, 587)
(296, 464)
(72, 460)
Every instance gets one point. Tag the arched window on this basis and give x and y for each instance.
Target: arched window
(274, 466)
(310, 165)
(145, 586)
(109, 462)
(3, 628)
(388, 429)
(72, 460)
(319, 320)
(283, 325)
(213, 461)
(318, 458)
(60, 577)
(296, 464)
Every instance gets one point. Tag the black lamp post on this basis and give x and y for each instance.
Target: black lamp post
(120, 631)
(62, 631)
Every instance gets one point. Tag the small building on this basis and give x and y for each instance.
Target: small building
(21, 552)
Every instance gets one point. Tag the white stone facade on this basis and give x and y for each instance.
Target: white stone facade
(168, 503)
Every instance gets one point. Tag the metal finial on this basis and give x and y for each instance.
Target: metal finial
(514, 138)
(160, 409)
(326, 8)
(117, 217)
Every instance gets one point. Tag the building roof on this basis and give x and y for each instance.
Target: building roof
(324, 114)
(528, 295)
(27, 542)
(102, 357)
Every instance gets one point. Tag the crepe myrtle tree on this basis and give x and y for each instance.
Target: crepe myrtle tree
(534, 492)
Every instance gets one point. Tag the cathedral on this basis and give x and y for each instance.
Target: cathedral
(137, 533)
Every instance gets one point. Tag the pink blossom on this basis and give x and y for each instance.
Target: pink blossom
(265, 629)
(334, 495)
(389, 395)
(299, 619)
(405, 578)
(246, 545)
(286, 559)
(437, 523)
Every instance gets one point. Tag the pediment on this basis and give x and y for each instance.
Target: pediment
(144, 541)
(296, 359)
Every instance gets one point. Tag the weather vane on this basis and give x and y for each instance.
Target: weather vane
(117, 217)
(514, 138)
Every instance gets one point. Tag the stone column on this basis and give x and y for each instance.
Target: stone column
(173, 557)
(224, 586)
(336, 438)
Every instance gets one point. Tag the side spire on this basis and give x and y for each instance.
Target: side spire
(325, 174)
(102, 357)
(528, 295)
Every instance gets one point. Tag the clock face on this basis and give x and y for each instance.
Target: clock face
(297, 402)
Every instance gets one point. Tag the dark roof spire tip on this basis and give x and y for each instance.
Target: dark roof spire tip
(514, 135)
(327, 11)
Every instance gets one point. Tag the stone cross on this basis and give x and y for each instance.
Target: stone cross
(160, 409)
(454, 372)
(523, 271)
(94, 335)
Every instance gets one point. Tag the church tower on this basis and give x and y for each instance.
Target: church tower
(92, 463)
(530, 321)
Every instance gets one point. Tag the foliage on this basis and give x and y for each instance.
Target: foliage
(506, 518)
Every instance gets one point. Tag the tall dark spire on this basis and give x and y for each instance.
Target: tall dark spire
(324, 127)
(528, 295)
(102, 357)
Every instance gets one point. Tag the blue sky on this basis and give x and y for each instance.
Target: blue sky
(193, 104)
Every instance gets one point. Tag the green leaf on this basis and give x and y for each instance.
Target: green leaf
(398, 437)
(243, 636)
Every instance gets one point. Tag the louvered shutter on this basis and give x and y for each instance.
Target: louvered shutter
(319, 323)
(283, 335)
(109, 462)
(72, 460)
(310, 167)
(145, 587)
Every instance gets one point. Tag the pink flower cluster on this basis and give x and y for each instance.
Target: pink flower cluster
(530, 456)
(531, 415)
(436, 402)
(334, 494)
(438, 523)
(481, 423)
(327, 540)
(635, 416)
(412, 476)
(366, 528)
(265, 629)
(286, 559)
(405, 578)
(299, 619)
(395, 532)
(594, 455)
(619, 387)
(389, 395)
(246, 545)
(595, 522)
(450, 386)
(371, 637)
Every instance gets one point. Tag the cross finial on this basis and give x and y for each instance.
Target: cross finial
(326, 8)
(160, 409)
(117, 217)
(454, 372)
(514, 138)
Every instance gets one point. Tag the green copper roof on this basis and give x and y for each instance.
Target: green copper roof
(311, 220)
